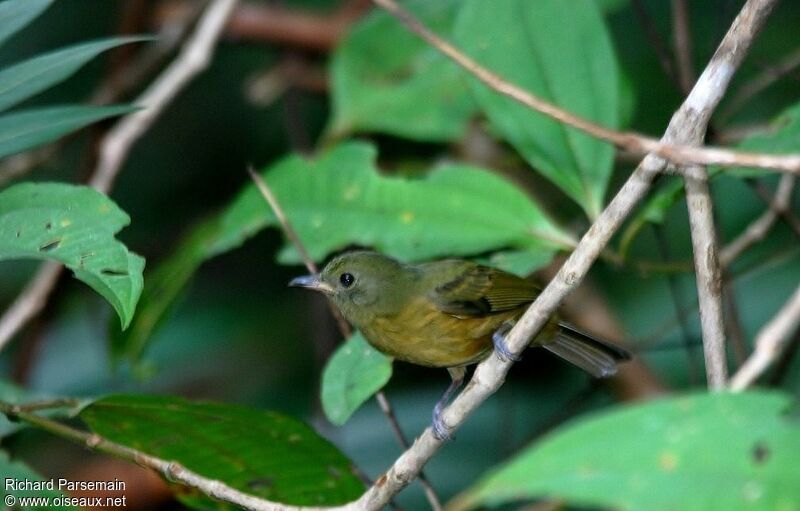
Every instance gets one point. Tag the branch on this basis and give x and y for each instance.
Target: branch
(117, 143)
(759, 228)
(770, 343)
(383, 402)
(672, 150)
(708, 274)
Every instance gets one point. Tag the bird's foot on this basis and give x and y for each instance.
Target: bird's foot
(500, 346)
(441, 431)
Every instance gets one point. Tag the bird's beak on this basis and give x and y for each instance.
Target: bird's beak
(311, 282)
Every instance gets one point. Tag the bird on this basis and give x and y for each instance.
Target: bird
(449, 313)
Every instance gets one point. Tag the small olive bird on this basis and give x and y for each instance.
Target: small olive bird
(447, 313)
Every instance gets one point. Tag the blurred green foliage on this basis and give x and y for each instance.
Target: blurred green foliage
(215, 320)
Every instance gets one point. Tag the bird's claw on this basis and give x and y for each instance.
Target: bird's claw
(500, 346)
(441, 431)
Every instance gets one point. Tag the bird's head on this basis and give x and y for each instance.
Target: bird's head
(362, 284)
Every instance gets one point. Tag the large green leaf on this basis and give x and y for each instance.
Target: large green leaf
(700, 452)
(258, 452)
(339, 199)
(526, 43)
(74, 225)
(17, 472)
(352, 375)
(23, 80)
(29, 128)
(386, 79)
(16, 14)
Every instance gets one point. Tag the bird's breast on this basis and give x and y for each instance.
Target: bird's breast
(422, 334)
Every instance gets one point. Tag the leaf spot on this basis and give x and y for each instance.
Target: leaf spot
(50, 245)
(351, 192)
(66, 222)
(668, 461)
(335, 472)
(114, 273)
(761, 453)
(752, 491)
(407, 217)
(294, 438)
(48, 226)
(262, 483)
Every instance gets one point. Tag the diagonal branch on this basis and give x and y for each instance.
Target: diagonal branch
(672, 150)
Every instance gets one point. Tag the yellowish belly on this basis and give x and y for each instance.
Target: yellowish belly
(424, 335)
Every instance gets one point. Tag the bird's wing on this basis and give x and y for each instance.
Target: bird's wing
(470, 289)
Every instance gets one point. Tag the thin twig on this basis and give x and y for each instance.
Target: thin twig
(760, 82)
(170, 470)
(656, 42)
(786, 214)
(680, 308)
(383, 402)
(770, 343)
(192, 60)
(116, 145)
(29, 302)
(759, 228)
(682, 39)
(673, 150)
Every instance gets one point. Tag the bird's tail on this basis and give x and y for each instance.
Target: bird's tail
(598, 358)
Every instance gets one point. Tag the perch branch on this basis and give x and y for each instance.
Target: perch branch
(383, 402)
(770, 343)
(116, 145)
(671, 150)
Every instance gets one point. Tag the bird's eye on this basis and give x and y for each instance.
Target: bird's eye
(347, 279)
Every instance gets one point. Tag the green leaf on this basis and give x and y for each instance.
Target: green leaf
(23, 130)
(526, 43)
(17, 471)
(258, 452)
(699, 452)
(385, 79)
(352, 375)
(340, 199)
(74, 225)
(24, 80)
(16, 14)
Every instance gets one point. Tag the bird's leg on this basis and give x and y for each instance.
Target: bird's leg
(441, 430)
(499, 341)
